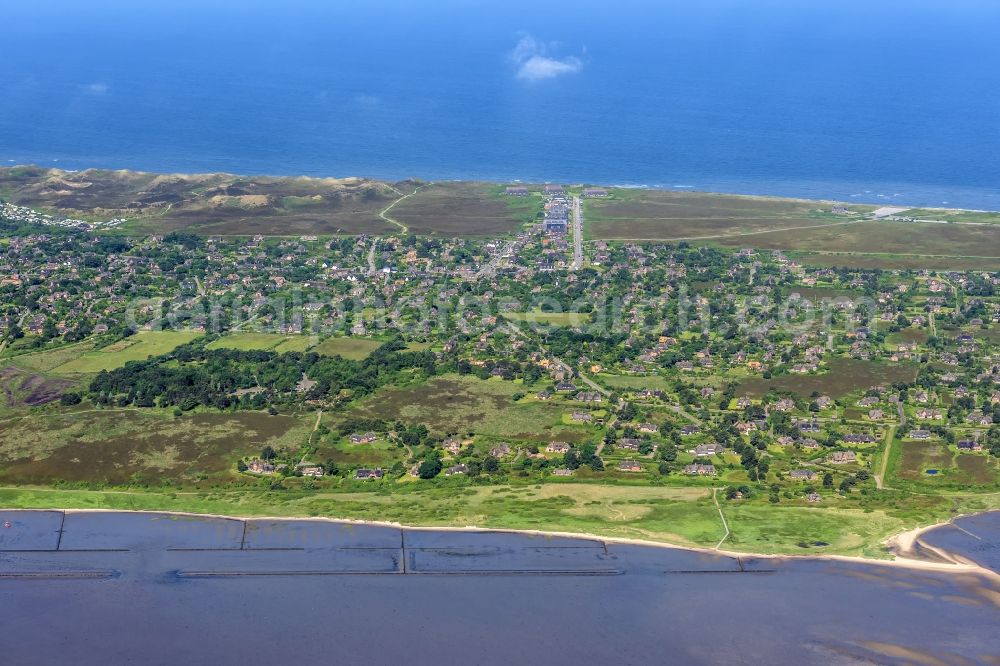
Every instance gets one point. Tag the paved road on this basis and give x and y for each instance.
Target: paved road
(589, 382)
(577, 234)
(490, 268)
(566, 367)
(371, 258)
(680, 411)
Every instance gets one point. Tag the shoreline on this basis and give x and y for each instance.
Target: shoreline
(718, 189)
(903, 540)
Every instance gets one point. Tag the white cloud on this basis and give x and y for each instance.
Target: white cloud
(535, 64)
(538, 67)
(97, 88)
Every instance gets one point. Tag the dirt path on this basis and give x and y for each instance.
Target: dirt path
(677, 409)
(721, 515)
(319, 419)
(880, 475)
(384, 214)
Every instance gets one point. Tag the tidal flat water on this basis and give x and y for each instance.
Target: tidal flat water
(146, 588)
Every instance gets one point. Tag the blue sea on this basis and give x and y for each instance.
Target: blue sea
(862, 100)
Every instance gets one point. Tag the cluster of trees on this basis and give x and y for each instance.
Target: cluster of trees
(585, 455)
(193, 375)
(992, 443)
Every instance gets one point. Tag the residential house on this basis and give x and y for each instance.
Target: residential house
(500, 450)
(704, 450)
(629, 466)
(969, 445)
(628, 443)
(261, 467)
(368, 474)
(452, 445)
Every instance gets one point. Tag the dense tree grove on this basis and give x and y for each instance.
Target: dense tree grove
(193, 375)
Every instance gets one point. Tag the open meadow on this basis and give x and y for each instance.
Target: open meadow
(842, 377)
(353, 349)
(952, 215)
(887, 261)
(454, 403)
(137, 347)
(48, 359)
(463, 209)
(934, 466)
(807, 228)
(883, 238)
(664, 214)
(262, 341)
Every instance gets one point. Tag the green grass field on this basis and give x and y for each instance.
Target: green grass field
(295, 343)
(262, 341)
(138, 347)
(48, 360)
(949, 215)
(630, 382)
(354, 349)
